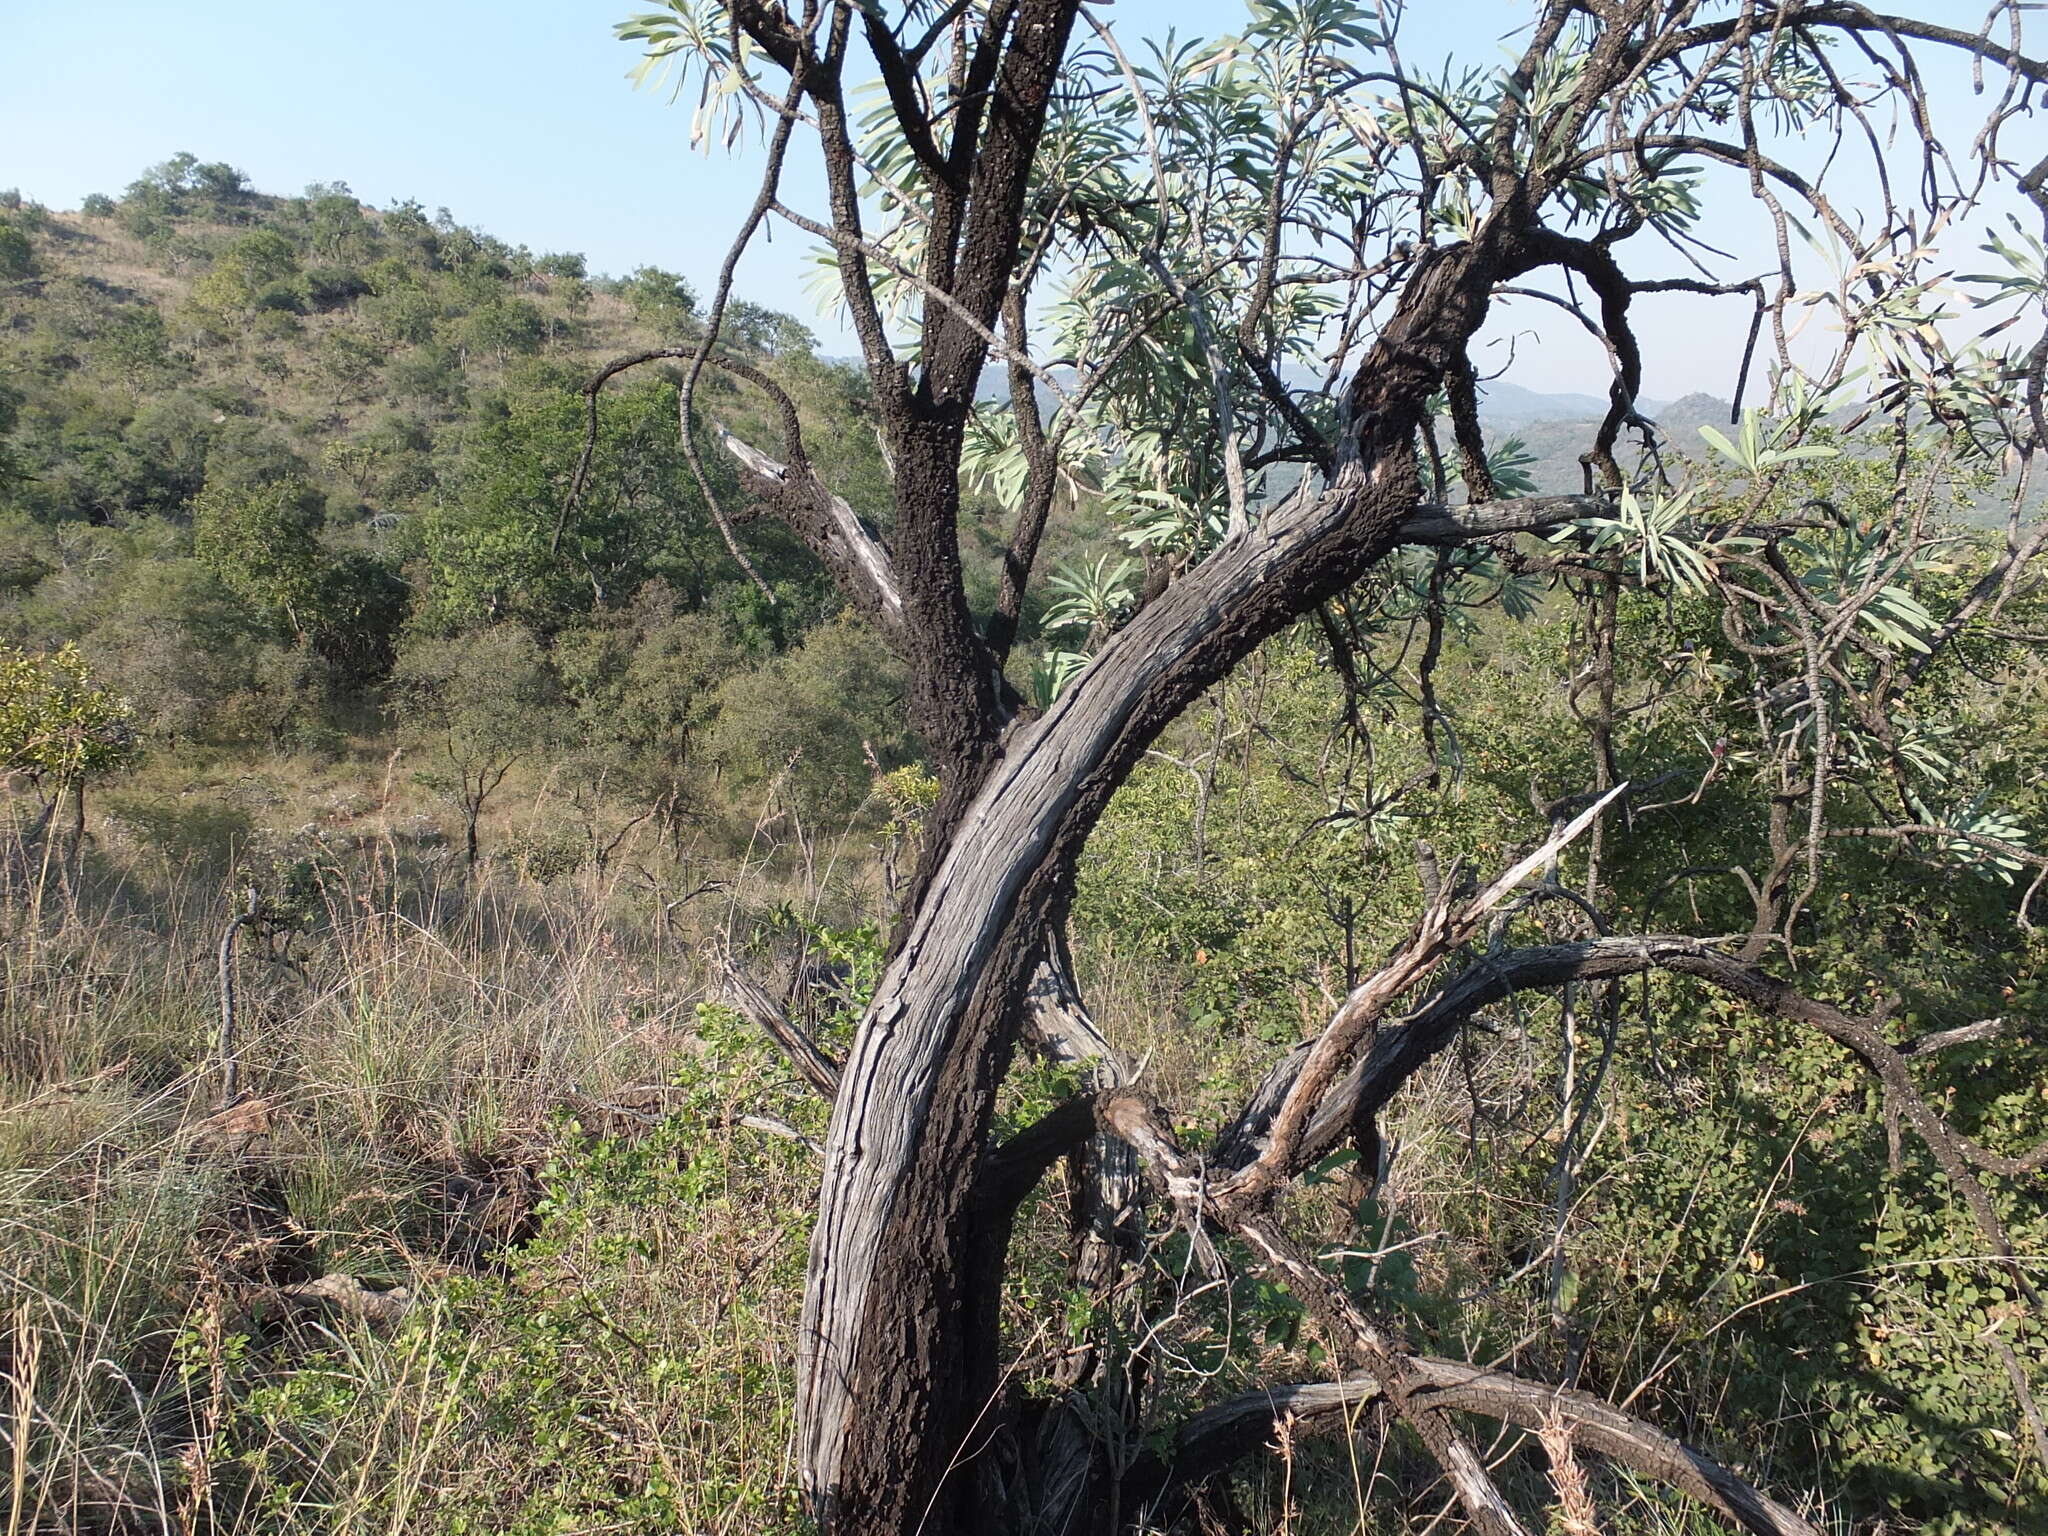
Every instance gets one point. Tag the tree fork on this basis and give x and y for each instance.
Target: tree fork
(890, 1384)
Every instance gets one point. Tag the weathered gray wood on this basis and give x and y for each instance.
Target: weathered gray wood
(1423, 1390)
(1441, 929)
(1400, 1048)
(1110, 1211)
(1349, 1330)
(832, 528)
(752, 999)
(1220, 1434)
(1442, 525)
(230, 1013)
(1004, 839)
(1053, 778)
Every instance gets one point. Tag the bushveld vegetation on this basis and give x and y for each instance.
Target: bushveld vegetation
(1169, 948)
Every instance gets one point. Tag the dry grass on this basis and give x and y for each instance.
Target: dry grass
(411, 1064)
(598, 1331)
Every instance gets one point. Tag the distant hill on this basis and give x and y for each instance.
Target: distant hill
(1555, 436)
(1512, 405)
(252, 446)
(1555, 428)
(194, 325)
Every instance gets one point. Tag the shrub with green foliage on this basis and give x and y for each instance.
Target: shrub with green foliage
(17, 253)
(261, 541)
(816, 725)
(57, 725)
(478, 702)
(663, 300)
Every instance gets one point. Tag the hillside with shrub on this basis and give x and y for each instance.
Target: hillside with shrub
(406, 776)
(258, 447)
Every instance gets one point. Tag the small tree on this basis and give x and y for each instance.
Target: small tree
(351, 360)
(481, 702)
(253, 267)
(17, 253)
(504, 328)
(222, 189)
(663, 300)
(137, 345)
(260, 541)
(562, 264)
(643, 692)
(758, 328)
(180, 645)
(59, 729)
(1197, 229)
(813, 718)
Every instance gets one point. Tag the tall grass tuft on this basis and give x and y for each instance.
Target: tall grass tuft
(480, 1245)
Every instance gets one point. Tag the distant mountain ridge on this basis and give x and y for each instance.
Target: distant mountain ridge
(1553, 428)
(1512, 403)
(1504, 404)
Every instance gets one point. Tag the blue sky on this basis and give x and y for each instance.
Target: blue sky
(519, 118)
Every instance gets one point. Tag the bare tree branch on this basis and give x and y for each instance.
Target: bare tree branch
(1228, 1431)
(831, 527)
(758, 1008)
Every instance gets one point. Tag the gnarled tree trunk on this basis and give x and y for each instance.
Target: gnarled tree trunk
(902, 1425)
(899, 1365)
